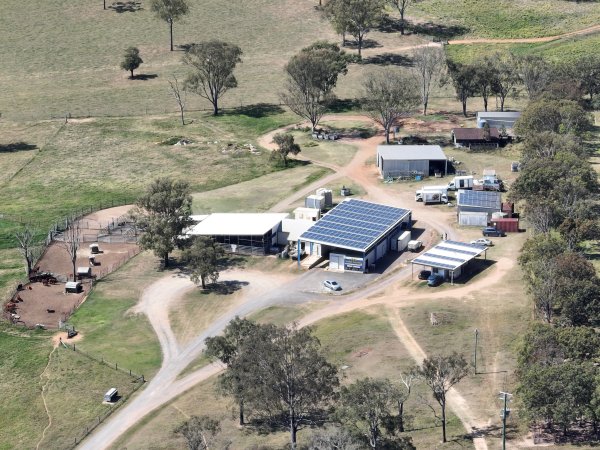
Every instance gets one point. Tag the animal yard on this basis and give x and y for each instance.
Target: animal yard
(81, 142)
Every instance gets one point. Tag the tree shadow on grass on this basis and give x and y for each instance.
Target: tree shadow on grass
(130, 6)
(256, 111)
(367, 43)
(16, 147)
(390, 25)
(144, 76)
(437, 30)
(344, 105)
(225, 287)
(389, 59)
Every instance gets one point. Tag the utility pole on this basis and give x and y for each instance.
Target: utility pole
(505, 396)
(475, 352)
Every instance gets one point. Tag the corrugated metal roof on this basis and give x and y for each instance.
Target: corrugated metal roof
(498, 115)
(237, 224)
(411, 152)
(449, 255)
(474, 134)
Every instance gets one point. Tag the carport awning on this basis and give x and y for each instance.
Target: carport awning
(449, 255)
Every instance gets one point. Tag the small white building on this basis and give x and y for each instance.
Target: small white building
(312, 214)
(475, 208)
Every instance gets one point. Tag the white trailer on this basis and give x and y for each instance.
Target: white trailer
(442, 190)
(403, 241)
(464, 182)
(430, 197)
(414, 246)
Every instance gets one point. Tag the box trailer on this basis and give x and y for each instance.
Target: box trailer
(111, 395)
(403, 241)
(73, 287)
(430, 197)
(462, 182)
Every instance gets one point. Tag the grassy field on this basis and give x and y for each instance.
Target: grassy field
(74, 392)
(507, 18)
(108, 326)
(96, 161)
(258, 194)
(559, 51)
(370, 348)
(74, 65)
(24, 357)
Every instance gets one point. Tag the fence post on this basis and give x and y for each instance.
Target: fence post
(115, 366)
(73, 347)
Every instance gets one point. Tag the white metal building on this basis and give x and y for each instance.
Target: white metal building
(253, 233)
(406, 160)
(449, 258)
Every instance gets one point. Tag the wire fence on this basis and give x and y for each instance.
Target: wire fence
(137, 380)
(117, 230)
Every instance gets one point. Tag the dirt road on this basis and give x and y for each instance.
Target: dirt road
(263, 291)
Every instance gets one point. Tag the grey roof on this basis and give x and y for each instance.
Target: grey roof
(411, 152)
(449, 255)
(354, 225)
(480, 199)
(499, 115)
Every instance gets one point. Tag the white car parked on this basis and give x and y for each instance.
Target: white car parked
(333, 285)
(482, 241)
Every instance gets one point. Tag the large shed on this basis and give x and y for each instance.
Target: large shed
(475, 208)
(246, 233)
(449, 258)
(355, 234)
(409, 160)
(497, 119)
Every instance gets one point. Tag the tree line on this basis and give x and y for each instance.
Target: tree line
(558, 377)
(280, 379)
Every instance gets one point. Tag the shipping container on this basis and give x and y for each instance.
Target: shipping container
(508, 225)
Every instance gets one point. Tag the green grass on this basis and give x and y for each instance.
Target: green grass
(331, 152)
(24, 357)
(258, 194)
(559, 51)
(74, 395)
(110, 330)
(510, 18)
(95, 162)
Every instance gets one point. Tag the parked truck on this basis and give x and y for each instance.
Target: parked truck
(463, 182)
(442, 189)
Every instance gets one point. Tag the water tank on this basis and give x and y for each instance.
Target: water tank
(328, 196)
(315, 201)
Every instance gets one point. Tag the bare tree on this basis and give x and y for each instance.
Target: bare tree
(429, 68)
(440, 373)
(71, 242)
(179, 94)
(26, 239)
(199, 432)
(402, 392)
(389, 96)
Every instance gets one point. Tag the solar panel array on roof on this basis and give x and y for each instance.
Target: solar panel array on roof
(449, 255)
(480, 199)
(354, 224)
